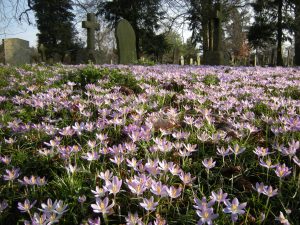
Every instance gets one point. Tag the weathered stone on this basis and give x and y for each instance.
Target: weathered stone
(126, 42)
(91, 25)
(216, 55)
(16, 51)
(182, 60)
(198, 59)
(42, 50)
(191, 61)
(67, 59)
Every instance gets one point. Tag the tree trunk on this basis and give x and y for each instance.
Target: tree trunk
(297, 33)
(205, 39)
(279, 34)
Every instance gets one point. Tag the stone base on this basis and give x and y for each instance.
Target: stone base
(84, 56)
(215, 58)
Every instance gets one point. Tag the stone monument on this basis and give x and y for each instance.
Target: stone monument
(215, 55)
(126, 42)
(91, 25)
(42, 50)
(191, 61)
(16, 51)
(198, 59)
(182, 60)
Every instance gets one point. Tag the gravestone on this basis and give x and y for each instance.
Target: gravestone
(255, 60)
(42, 50)
(191, 61)
(198, 59)
(182, 60)
(91, 25)
(126, 42)
(67, 59)
(216, 55)
(57, 58)
(16, 51)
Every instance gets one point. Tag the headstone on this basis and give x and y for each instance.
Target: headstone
(42, 50)
(198, 59)
(182, 60)
(16, 51)
(191, 61)
(67, 59)
(216, 56)
(91, 25)
(288, 57)
(57, 58)
(255, 60)
(126, 42)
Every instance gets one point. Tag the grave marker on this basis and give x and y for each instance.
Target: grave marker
(16, 51)
(182, 60)
(126, 42)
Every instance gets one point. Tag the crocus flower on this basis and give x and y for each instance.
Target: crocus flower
(203, 204)
(114, 186)
(96, 221)
(186, 178)
(60, 208)
(268, 163)
(235, 208)
(99, 192)
(26, 206)
(3, 205)
(282, 219)
(268, 190)
(261, 151)
(159, 189)
(107, 175)
(206, 215)
(260, 187)
(11, 174)
(282, 170)
(102, 206)
(218, 197)
(237, 150)
(209, 163)
(133, 219)
(149, 204)
(174, 192)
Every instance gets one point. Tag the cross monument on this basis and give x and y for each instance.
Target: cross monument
(91, 25)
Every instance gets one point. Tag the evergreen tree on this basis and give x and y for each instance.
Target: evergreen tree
(272, 18)
(54, 22)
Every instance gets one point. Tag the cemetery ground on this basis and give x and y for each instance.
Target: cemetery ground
(149, 144)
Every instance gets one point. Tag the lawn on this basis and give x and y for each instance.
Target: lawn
(149, 145)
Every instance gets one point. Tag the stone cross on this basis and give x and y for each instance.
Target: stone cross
(182, 60)
(42, 49)
(91, 25)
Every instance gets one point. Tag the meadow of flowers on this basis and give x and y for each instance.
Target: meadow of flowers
(149, 145)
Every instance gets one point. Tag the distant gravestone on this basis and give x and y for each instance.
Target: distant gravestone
(191, 61)
(42, 50)
(16, 51)
(67, 59)
(182, 60)
(91, 25)
(255, 60)
(57, 58)
(126, 42)
(198, 59)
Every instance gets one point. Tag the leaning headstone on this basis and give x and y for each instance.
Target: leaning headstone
(182, 60)
(126, 42)
(42, 50)
(198, 59)
(16, 51)
(191, 61)
(91, 25)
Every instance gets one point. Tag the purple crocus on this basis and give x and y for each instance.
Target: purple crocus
(149, 204)
(282, 170)
(209, 163)
(114, 186)
(235, 208)
(219, 196)
(102, 206)
(133, 219)
(206, 215)
(11, 174)
(26, 206)
(174, 192)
